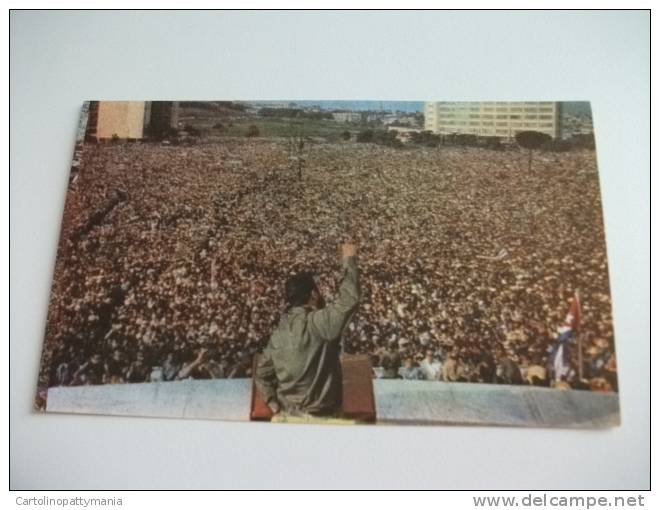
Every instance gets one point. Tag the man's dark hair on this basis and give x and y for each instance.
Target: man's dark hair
(298, 288)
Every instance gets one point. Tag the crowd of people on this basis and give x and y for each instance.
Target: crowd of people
(172, 260)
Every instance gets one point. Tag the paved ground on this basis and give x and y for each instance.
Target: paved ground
(480, 404)
(400, 402)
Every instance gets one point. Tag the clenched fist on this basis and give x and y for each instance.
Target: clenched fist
(348, 250)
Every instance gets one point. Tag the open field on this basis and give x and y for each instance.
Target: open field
(228, 123)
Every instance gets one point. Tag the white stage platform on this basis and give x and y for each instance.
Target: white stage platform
(397, 401)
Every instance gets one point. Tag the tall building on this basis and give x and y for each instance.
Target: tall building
(347, 116)
(160, 117)
(502, 119)
(132, 120)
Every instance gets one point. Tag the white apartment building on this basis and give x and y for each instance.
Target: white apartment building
(347, 116)
(503, 119)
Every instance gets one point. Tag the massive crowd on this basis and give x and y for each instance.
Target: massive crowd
(172, 259)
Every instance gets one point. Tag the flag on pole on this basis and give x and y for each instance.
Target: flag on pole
(559, 353)
(574, 315)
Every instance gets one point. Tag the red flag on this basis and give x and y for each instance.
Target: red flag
(574, 315)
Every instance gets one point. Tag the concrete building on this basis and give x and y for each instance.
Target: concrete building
(347, 116)
(160, 117)
(502, 119)
(129, 120)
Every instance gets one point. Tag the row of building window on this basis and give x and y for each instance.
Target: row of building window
(490, 123)
(490, 116)
(468, 104)
(491, 103)
(487, 132)
(463, 106)
(445, 111)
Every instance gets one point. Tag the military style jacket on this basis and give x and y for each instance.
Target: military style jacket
(300, 365)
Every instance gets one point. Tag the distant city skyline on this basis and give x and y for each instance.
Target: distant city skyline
(370, 105)
(573, 107)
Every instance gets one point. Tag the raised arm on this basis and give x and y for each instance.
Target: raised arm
(187, 369)
(329, 322)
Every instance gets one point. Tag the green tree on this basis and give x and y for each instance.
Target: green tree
(365, 136)
(532, 140)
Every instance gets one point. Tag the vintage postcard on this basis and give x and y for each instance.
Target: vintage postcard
(333, 262)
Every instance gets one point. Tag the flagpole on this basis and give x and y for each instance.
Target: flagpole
(580, 368)
(579, 341)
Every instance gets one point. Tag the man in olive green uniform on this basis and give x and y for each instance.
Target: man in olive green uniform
(299, 372)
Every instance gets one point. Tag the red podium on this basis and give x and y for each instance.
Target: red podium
(358, 398)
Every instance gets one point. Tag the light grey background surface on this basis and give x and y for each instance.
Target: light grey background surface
(60, 59)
